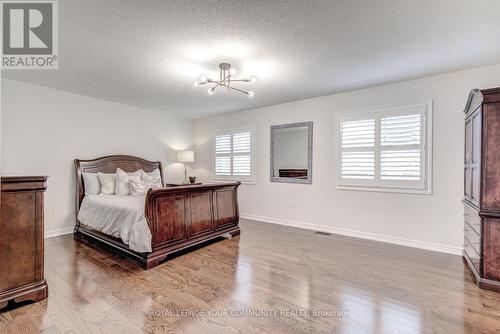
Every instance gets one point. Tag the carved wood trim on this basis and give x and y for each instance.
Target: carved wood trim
(23, 183)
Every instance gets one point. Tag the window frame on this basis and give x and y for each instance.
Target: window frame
(232, 131)
(393, 186)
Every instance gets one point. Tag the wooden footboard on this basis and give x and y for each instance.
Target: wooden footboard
(179, 217)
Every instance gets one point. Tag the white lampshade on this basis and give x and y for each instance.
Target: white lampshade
(185, 156)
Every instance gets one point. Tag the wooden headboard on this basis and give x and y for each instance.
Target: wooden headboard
(109, 164)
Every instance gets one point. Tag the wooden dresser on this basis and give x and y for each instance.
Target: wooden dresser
(482, 187)
(21, 239)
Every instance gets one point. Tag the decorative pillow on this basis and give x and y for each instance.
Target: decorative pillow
(123, 180)
(108, 183)
(153, 177)
(91, 183)
(139, 187)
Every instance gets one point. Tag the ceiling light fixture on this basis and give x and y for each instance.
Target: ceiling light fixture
(226, 72)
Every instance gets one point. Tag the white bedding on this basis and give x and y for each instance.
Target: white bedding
(119, 216)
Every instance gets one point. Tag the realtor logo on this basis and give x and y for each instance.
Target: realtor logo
(30, 35)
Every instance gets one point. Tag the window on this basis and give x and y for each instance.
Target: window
(387, 149)
(233, 155)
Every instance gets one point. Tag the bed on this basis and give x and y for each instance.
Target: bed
(174, 218)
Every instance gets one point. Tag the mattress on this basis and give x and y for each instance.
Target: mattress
(119, 216)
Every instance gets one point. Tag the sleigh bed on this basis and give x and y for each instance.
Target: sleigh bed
(177, 217)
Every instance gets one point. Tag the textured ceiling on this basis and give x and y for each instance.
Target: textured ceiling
(148, 53)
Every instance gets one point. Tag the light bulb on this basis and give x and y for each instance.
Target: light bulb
(253, 79)
(250, 94)
(203, 78)
(211, 90)
(196, 83)
(232, 71)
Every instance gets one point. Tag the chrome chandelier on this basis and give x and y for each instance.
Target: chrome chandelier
(226, 73)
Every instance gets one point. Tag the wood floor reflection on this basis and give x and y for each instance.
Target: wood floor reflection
(363, 286)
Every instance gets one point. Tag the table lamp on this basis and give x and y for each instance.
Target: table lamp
(185, 157)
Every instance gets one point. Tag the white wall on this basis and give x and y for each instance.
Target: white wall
(44, 130)
(428, 221)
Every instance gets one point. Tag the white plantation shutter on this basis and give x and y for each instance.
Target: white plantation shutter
(401, 149)
(401, 130)
(241, 165)
(233, 155)
(223, 166)
(400, 165)
(358, 150)
(242, 150)
(223, 144)
(223, 155)
(386, 148)
(358, 165)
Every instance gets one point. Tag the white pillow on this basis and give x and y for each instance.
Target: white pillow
(139, 187)
(91, 183)
(108, 183)
(123, 180)
(153, 177)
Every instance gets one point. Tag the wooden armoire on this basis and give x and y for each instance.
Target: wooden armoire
(482, 187)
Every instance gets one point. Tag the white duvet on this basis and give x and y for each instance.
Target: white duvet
(119, 216)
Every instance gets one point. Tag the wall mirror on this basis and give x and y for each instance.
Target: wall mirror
(291, 152)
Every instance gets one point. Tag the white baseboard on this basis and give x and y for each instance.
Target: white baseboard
(360, 234)
(56, 233)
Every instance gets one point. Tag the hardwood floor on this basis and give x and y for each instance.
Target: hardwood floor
(380, 288)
